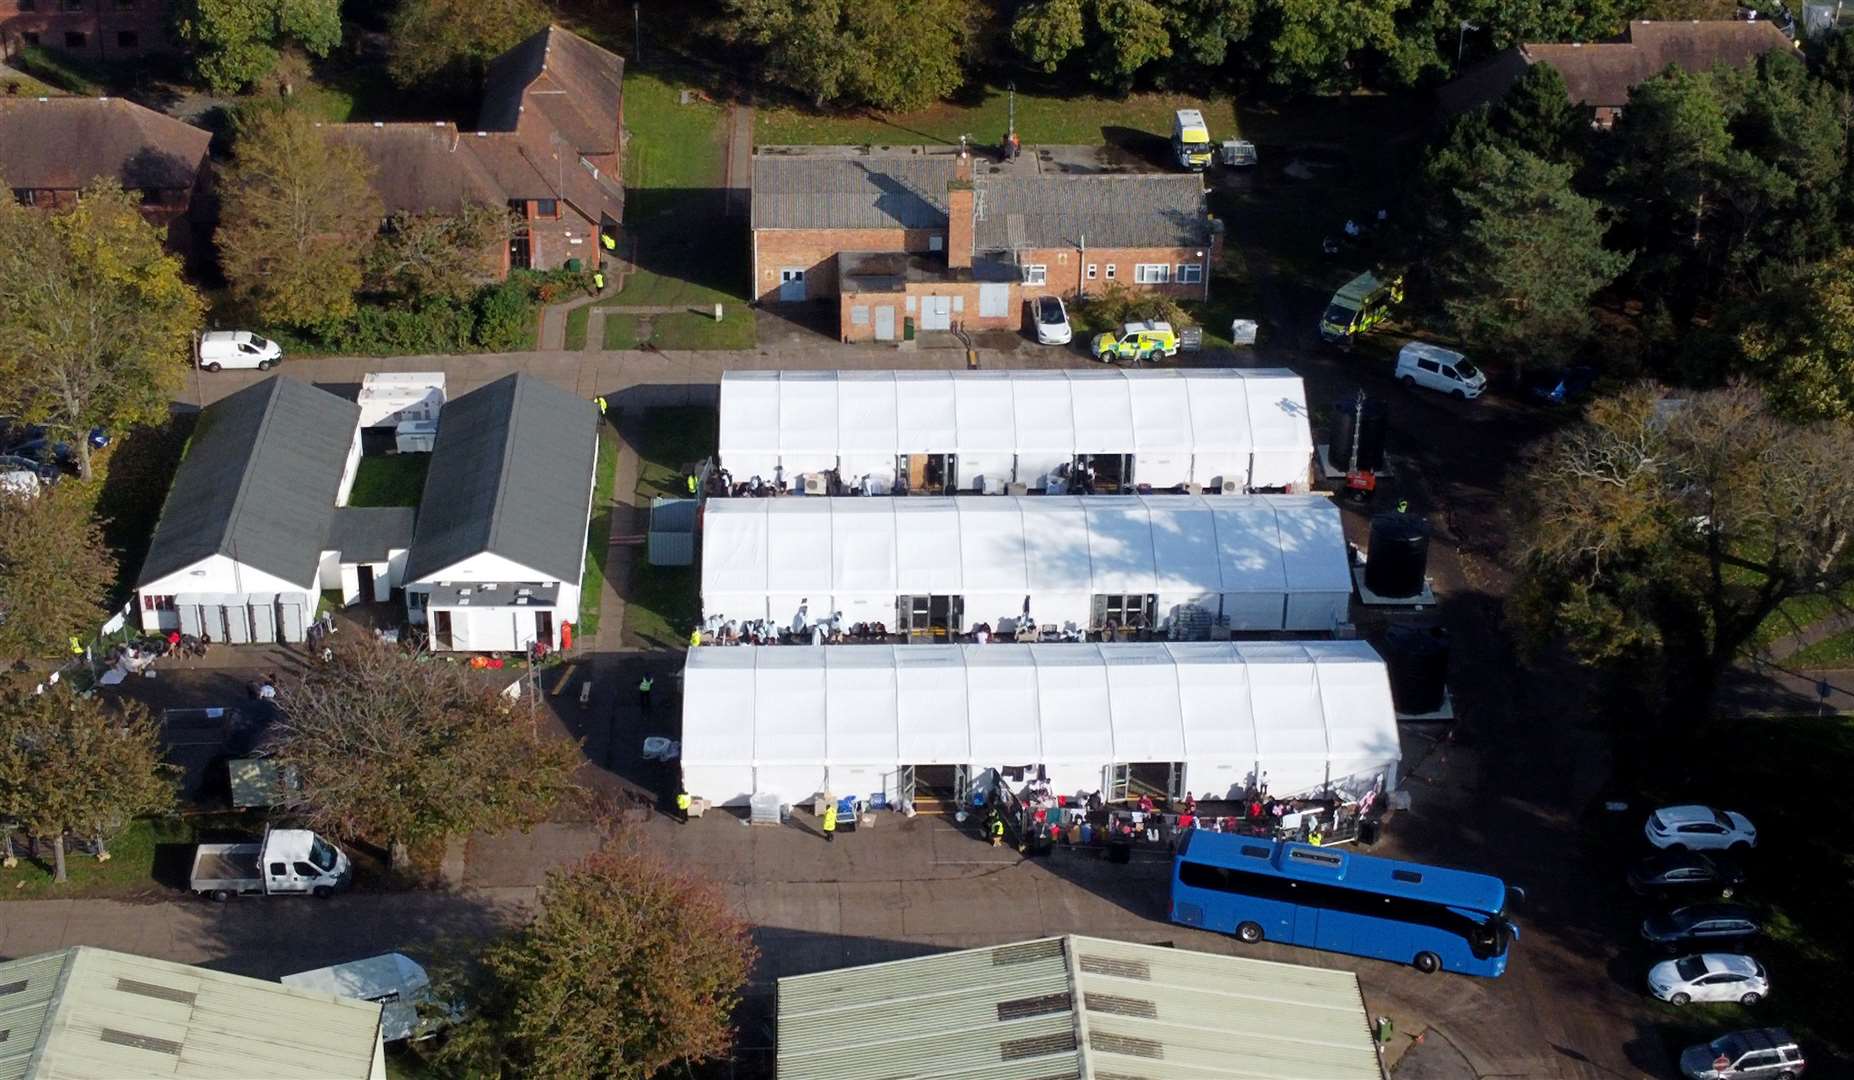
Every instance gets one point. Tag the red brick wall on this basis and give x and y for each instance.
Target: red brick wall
(551, 239)
(815, 252)
(1066, 268)
(966, 316)
(100, 21)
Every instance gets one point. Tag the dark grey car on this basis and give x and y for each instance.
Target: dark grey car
(1701, 926)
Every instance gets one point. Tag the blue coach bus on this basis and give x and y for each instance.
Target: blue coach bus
(1323, 898)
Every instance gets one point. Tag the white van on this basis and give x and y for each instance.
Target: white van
(237, 349)
(1439, 369)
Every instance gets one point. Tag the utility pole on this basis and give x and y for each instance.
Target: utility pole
(637, 32)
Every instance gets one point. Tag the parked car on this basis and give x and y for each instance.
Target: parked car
(1136, 341)
(1442, 370)
(238, 349)
(1560, 386)
(1709, 977)
(1685, 873)
(1756, 1054)
(1699, 828)
(1052, 321)
(1701, 924)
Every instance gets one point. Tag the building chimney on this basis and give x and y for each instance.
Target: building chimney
(959, 210)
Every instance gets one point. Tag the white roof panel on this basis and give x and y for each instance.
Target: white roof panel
(926, 414)
(749, 415)
(717, 705)
(931, 711)
(788, 708)
(1219, 403)
(1312, 543)
(986, 418)
(1143, 701)
(861, 701)
(1120, 545)
(991, 546)
(1045, 416)
(1161, 412)
(927, 556)
(1249, 545)
(798, 545)
(862, 546)
(734, 544)
(1072, 686)
(1056, 545)
(808, 412)
(1184, 544)
(1361, 721)
(1213, 700)
(1285, 691)
(1278, 409)
(1005, 711)
(865, 411)
(1103, 410)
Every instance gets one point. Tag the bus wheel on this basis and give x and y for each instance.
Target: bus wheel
(1249, 932)
(1427, 962)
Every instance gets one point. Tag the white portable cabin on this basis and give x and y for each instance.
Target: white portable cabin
(1186, 563)
(1234, 429)
(390, 398)
(1209, 718)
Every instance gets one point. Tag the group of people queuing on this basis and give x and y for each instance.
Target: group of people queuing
(1086, 820)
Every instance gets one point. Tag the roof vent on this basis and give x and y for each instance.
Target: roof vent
(1126, 1045)
(1060, 1042)
(155, 990)
(1026, 954)
(524, 592)
(1024, 1008)
(13, 987)
(1120, 1006)
(139, 1042)
(463, 601)
(491, 587)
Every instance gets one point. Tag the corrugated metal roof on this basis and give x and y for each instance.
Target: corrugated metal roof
(850, 193)
(511, 473)
(1116, 210)
(1009, 1013)
(94, 1014)
(258, 482)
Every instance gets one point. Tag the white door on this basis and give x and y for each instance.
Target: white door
(791, 284)
(936, 313)
(885, 323)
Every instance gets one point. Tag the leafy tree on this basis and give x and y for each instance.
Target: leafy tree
(1130, 36)
(631, 967)
(74, 764)
(235, 42)
(1203, 30)
(1800, 340)
(437, 255)
(297, 215)
(1313, 44)
(1657, 538)
(1046, 32)
(95, 320)
(1520, 276)
(898, 55)
(55, 571)
(459, 37)
(414, 752)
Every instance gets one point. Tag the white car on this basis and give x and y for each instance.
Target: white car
(1699, 828)
(221, 349)
(1052, 321)
(1709, 977)
(1443, 370)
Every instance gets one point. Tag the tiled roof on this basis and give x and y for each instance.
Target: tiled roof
(577, 86)
(850, 193)
(1114, 211)
(66, 142)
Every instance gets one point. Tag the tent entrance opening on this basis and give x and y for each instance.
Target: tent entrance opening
(930, 618)
(1122, 616)
(441, 629)
(1161, 780)
(1103, 474)
(938, 789)
(928, 474)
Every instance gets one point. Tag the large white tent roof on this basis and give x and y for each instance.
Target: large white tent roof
(1258, 411)
(982, 544)
(1298, 706)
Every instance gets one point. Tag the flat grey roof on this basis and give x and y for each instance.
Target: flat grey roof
(495, 594)
(1071, 1007)
(258, 482)
(370, 534)
(511, 474)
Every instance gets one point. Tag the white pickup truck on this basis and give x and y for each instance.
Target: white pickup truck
(284, 862)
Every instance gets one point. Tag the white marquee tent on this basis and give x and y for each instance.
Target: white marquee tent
(1208, 426)
(862, 719)
(1259, 562)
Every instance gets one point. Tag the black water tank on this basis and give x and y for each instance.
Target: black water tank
(1398, 555)
(1418, 660)
(1371, 446)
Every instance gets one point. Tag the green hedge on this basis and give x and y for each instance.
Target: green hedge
(499, 318)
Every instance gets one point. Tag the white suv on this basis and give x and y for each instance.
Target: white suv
(1699, 828)
(1443, 370)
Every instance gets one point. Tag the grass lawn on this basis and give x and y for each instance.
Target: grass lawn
(1834, 651)
(621, 332)
(1041, 118)
(576, 327)
(389, 480)
(130, 870)
(672, 145)
(599, 533)
(661, 603)
(661, 607)
(671, 438)
(1789, 775)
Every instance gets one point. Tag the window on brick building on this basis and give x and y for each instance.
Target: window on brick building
(1110, 271)
(76, 39)
(1036, 275)
(23, 194)
(157, 603)
(547, 208)
(1152, 273)
(1092, 270)
(128, 39)
(1190, 273)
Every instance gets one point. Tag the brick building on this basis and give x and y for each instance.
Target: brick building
(1599, 75)
(100, 30)
(52, 148)
(945, 239)
(547, 145)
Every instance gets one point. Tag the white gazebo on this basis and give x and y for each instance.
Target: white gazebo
(1187, 565)
(1210, 718)
(1224, 430)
